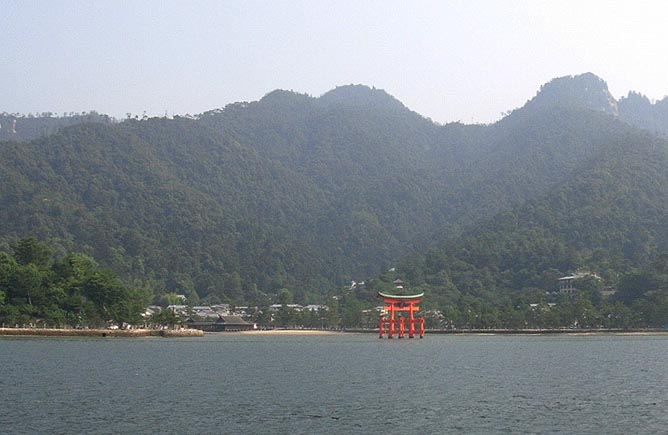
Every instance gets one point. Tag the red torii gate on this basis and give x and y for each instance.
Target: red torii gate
(397, 303)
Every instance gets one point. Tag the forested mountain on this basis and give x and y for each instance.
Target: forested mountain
(306, 193)
(609, 216)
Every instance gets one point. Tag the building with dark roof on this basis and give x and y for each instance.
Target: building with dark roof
(222, 323)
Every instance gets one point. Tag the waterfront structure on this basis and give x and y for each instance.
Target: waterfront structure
(223, 323)
(397, 304)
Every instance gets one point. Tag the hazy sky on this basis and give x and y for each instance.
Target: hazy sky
(448, 60)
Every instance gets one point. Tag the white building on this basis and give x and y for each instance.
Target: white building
(566, 282)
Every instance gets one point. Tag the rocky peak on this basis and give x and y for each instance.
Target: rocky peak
(586, 91)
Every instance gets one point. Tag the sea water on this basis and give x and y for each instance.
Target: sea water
(338, 384)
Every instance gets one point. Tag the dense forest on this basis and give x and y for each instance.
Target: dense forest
(37, 287)
(305, 194)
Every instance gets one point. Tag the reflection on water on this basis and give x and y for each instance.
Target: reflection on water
(344, 383)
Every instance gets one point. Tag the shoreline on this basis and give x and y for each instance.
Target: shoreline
(52, 332)
(129, 333)
(558, 331)
(584, 331)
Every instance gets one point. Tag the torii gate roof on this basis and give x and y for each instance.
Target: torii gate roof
(400, 297)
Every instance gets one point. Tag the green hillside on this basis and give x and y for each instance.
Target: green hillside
(608, 217)
(306, 193)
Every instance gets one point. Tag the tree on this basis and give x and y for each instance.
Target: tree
(633, 286)
(108, 295)
(30, 251)
(590, 287)
(286, 317)
(27, 285)
(351, 311)
(167, 299)
(284, 296)
(165, 317)
(130, 308)
(233, 286)
(332, 317)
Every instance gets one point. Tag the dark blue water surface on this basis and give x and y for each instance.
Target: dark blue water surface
(343, 383)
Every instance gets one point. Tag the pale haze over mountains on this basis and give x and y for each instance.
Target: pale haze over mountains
(456, 60)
